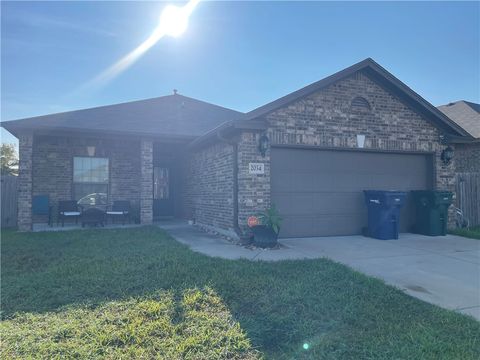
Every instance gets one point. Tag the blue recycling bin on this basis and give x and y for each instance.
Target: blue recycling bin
(384, 213)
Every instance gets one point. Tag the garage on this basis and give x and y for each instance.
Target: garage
(320, 192)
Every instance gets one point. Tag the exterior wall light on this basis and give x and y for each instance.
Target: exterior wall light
(91, 150)
(447, 155)
(360, 141)
(263, 144)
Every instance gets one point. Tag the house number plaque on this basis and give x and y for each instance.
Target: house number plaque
(256, 168)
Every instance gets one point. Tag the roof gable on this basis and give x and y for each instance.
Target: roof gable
(384, 78)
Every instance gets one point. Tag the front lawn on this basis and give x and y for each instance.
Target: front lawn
(136, 293)
(473, 232)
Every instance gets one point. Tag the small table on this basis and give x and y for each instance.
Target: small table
(93, 217)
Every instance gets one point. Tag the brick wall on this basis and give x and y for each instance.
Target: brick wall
(25, 147)
(209, 186)
(146, 181)
(53, 167)
(467, 157)
(253, 189)
(326, 119)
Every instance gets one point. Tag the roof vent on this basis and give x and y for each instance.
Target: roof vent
(360, 103)
(175, 91)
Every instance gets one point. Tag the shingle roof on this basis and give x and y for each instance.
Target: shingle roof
(181, 116)
(172, 115)
(466, 114)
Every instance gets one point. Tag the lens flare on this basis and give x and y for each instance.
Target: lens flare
(173, 22)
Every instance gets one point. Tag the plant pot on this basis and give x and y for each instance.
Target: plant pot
(264, 236)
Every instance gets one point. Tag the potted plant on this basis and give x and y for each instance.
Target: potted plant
(265, 227)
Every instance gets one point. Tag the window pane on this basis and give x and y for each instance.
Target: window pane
(90, 170)
(76, 174)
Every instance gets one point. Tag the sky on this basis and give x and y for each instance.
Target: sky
(240, 55)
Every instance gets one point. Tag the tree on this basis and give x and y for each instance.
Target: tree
(8, 159)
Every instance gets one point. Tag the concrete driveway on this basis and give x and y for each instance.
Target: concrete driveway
(442, 270)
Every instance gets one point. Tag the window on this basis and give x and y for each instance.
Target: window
(90, 180)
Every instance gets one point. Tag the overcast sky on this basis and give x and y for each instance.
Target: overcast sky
(238, 55)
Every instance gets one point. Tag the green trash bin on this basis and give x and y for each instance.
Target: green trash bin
(431, 211)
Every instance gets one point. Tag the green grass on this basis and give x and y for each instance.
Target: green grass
(136, 293)
(196, 326)
(473, 232)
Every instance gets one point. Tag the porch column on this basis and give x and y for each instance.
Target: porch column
(25, 152)
(146, 181)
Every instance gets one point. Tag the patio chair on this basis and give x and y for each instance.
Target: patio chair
(120, 209)
(68, 209)
(41, 206)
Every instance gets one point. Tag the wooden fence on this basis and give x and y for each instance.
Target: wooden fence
(9, 194)
(468, 196)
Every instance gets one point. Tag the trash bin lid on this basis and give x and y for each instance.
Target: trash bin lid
(433, 197)
(385, 197)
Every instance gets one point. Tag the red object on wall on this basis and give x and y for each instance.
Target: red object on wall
(252, 221)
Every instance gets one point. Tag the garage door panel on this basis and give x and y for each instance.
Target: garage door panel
(305, 226)
(319, 203)
(297, 226)
(298, 204)
(320, 193)
(340, 224)
(337, 202)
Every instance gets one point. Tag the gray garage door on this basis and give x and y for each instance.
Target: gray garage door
(319, 192)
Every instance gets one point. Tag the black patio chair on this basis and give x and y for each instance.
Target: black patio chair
(68, 209)
(120, 209)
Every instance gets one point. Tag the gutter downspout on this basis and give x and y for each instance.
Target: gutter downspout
(234, 145)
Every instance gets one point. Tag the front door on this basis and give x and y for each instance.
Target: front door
(162, 192)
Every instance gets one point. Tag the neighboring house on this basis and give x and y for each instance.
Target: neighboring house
(467, 157)
(181, 157)
(467, 115)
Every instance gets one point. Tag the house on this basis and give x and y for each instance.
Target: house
(311, 153)
(467, 157)
(466, 115)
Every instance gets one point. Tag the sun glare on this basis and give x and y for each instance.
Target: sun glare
(173, 22)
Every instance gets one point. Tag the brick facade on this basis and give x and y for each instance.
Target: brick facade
(467, 157)
(253, 190)
(209, 186)
(25, 147)
(52, 167)
(146, 181)
(327, 119)
(324, 119)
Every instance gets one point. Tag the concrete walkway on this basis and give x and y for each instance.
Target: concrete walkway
(441, 270)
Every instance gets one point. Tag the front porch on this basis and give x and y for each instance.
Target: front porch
(97, 171)
(42, 227)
